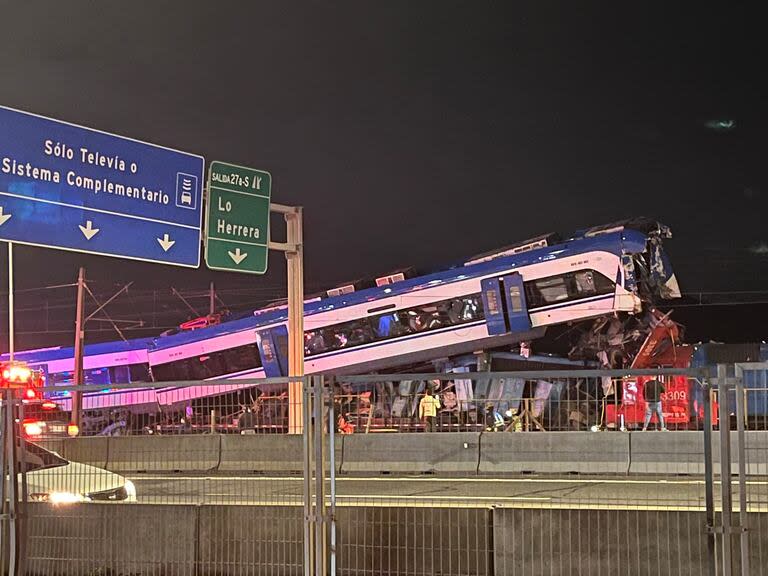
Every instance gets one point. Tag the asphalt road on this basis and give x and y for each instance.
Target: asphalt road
(536, 492)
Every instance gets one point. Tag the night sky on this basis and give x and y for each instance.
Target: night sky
(418, 133)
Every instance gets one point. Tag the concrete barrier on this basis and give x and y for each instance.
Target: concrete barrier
(554, 453)
(411, 453)
(195, 453)
(262, 453)
(93, 451)
(682, 452)
(668, 452)
(660, 453)
(266, 453)
(53, 444)
(111, 539)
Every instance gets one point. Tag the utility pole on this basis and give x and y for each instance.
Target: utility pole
(212, 304)
(77, 375)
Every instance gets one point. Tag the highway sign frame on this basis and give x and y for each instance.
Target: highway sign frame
(105, 214)
(217, 247)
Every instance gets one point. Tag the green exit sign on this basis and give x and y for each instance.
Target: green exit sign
(237, 219)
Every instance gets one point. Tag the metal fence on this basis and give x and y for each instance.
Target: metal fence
(185, 487)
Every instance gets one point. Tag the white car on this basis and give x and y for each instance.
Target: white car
(51, 478)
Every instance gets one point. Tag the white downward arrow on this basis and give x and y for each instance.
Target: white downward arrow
(237, 256)
(88, 230)
(3, 217)
(166, 242)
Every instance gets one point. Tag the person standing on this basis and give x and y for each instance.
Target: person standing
(652, 391)
(428, 408)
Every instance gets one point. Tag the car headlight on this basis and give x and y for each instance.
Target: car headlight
(130, 489)
(65, 498)
(57, 497)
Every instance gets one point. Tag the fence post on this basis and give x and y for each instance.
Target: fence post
(331, 388)
(307, 457)
(13, 488)
(741, 438)
(726, 498)
(709, 481)
(318, 436)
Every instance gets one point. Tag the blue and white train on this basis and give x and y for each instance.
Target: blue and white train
(507, 296)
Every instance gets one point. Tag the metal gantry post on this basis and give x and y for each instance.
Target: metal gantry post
(4, 503)
(77, 395)
(10, 302)
(294, 254)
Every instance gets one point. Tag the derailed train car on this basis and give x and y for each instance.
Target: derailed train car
(490, 302)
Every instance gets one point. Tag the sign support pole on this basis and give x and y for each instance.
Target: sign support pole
(78, 380)
(10, 302)
(294, 254)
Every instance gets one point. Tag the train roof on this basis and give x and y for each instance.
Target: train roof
(61, 352)
(614, 242)
(625, 236)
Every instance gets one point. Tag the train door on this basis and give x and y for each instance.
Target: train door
(273, 348)
(506, 309)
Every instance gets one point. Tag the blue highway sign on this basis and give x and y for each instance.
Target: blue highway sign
(73, 188)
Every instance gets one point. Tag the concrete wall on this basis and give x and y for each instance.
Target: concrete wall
(132, 539)
(415, 541)
(534, 542)
(438, 453)
(95, 538)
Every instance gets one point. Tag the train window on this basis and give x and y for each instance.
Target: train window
(566, 288)
(209, 365)
(493, 302)
(139, 372)
(119, 374)
(390, 325)
(552, 290)
(96, 376)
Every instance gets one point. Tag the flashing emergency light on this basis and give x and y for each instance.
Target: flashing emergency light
(19, 375)
(16, 374)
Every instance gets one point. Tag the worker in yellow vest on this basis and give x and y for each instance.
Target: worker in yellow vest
(428, 408)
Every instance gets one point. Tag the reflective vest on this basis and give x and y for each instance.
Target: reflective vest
(428, 406)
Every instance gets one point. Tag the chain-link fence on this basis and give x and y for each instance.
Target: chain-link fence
(200, 480)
